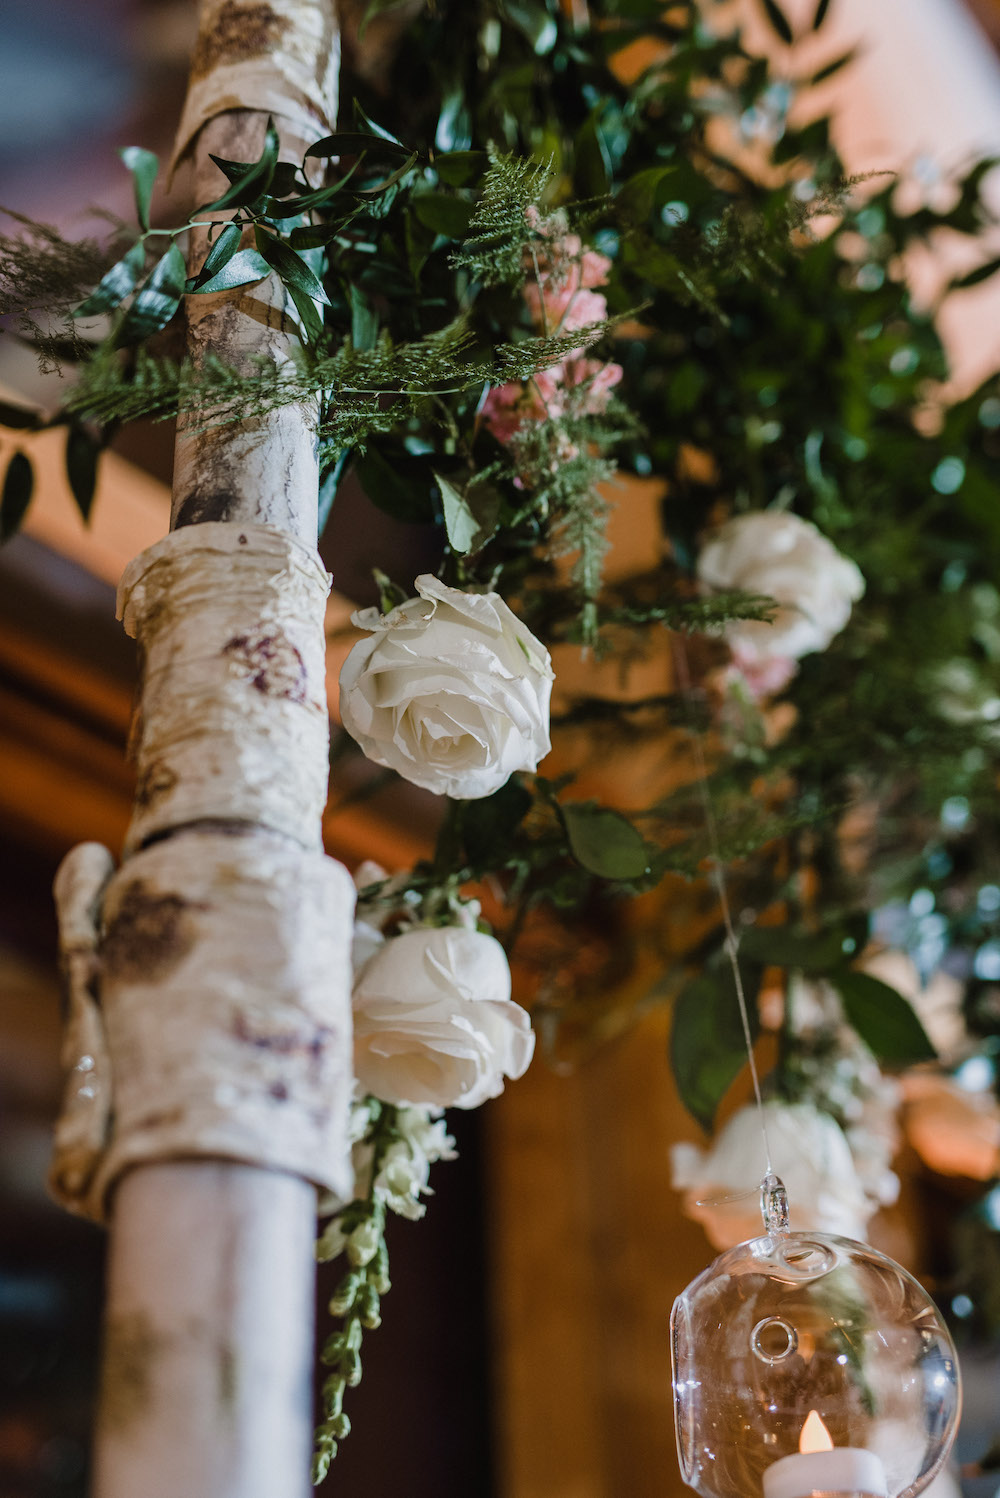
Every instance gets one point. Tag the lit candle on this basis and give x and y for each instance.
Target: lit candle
(821, 1467)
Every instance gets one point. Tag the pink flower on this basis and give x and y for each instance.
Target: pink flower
(597, 378)
(562, 297)
(763, 677)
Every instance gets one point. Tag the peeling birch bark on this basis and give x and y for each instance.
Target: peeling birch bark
(211, 974)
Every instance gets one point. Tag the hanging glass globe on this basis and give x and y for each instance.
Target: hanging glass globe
(806, 1364)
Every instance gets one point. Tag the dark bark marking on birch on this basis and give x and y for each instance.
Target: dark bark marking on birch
(272, 663)
(203, 505)
(155, 781)
(132, 1346)
(235, 33)
(148, 936)
(285, 1042)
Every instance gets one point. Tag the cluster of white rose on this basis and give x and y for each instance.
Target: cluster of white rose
(451, 690)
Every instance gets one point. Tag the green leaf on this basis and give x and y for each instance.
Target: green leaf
(459, 168)
(470, 519)
(157, 299)
(535, 22)
(395, 487)
(387, 182)
(351, 142)
(820, 14)
(443, 213)
(882, 1017)
(364, 320)
(254, 182)
(636, 200)
(290, 266)
(807, 951)
(20, 418)
(778, 20)
(328, 486)
(592, 167)
(489, 824)
(116, 283)
(603, 841)
(707, 1047)
(309, 314)
(82, 453)
(379, 130)
(18, 483)
(143, 165)
(220, 253)
(239, 270)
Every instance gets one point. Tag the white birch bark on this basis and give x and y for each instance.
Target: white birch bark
(219, 963)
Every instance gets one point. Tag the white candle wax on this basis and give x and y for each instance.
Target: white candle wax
(845, 1469)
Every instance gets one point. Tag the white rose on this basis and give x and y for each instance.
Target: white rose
(434, 1022)
(786, 558)
(452, 691)
(808, 1151)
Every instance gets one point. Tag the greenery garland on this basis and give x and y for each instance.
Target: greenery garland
(763, 366)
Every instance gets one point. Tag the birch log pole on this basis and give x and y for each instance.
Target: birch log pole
(209, 1042)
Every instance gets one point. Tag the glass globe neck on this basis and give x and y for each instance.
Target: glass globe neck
(774, 1205)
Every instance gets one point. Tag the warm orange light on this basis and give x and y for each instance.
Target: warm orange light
(815, 1436)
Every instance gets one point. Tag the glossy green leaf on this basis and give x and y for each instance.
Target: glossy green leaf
(603, 841)
(882, 1017)
(309, 314)
(591, 163)
(239, 270)
(143, 165)
(352, 142)
(459, 168)
(116, 284)
(157, 299)
(19, 480)
(328, 486)
(369, 123)
(443, 213)
(82, 453)
(254, 182)
(808, 951)
(290, 266)
(222, 250)
(707, 1046)
(387, 182)
(470, 519)
(637, 199)
(398, 488)
(364, 320)
(778, 19)
(535, 22)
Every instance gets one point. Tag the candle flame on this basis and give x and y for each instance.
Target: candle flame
(815, 1436)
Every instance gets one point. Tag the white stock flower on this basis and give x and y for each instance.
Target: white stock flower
(784, 557)
(451, 690)
(434, 1022)
(808, 1151)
